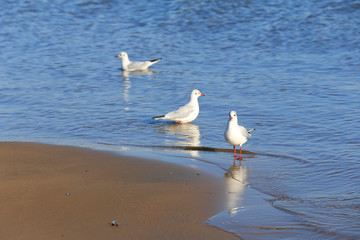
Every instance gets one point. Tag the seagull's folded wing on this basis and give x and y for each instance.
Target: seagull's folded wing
(244, 132)
(139, 65)
(180, 113)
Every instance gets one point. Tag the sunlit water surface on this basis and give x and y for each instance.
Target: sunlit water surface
(289, 68)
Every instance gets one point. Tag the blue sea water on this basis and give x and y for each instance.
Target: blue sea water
(291, 69)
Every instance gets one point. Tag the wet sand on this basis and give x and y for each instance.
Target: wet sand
(60, 192)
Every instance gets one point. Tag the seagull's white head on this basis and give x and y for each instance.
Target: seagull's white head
(122, 55)
(196, 93)
(232, 115)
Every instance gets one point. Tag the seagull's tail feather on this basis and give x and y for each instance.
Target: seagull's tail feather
(249, 130)
(155, 60)
(159, 117)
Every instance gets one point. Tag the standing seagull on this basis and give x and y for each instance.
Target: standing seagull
(236, 134)
(127, 65)
(186, 113)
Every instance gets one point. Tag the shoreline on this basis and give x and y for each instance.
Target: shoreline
(64, 192)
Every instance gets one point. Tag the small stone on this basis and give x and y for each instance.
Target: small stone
(114, 223)
(67, 194)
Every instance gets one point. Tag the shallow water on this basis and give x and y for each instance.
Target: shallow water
(289, 68)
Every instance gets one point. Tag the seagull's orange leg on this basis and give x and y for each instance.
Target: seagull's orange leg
(240, 158)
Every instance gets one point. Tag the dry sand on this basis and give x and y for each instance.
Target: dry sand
(148, 199)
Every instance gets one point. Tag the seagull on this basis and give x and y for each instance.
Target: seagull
(186, 113)
(127, 65)
(236, 134)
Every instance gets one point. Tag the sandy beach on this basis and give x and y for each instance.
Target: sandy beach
(61, 192)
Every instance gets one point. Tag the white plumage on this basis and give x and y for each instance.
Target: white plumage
(128, 65)
(186, 113)
(235, 134)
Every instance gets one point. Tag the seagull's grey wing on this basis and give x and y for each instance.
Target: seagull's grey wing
(244, 132)
(139, 65)
(181, 112)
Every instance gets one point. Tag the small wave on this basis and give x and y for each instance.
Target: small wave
(212, 149)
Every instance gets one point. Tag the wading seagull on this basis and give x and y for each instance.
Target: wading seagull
(186, 113)
(235, 134)
(128, 65)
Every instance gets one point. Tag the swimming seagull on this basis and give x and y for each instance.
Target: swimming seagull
(186, 113)
(127, 65)
(235, 134)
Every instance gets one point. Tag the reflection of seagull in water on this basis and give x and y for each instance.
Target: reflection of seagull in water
(236, 183)
(186, 134)
(186, 113)
(128, 65)
(235, 134)
(127, 74)
(126, 88)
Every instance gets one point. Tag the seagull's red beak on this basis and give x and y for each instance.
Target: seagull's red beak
(202, 95)
(117, 56)
(230, 118)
